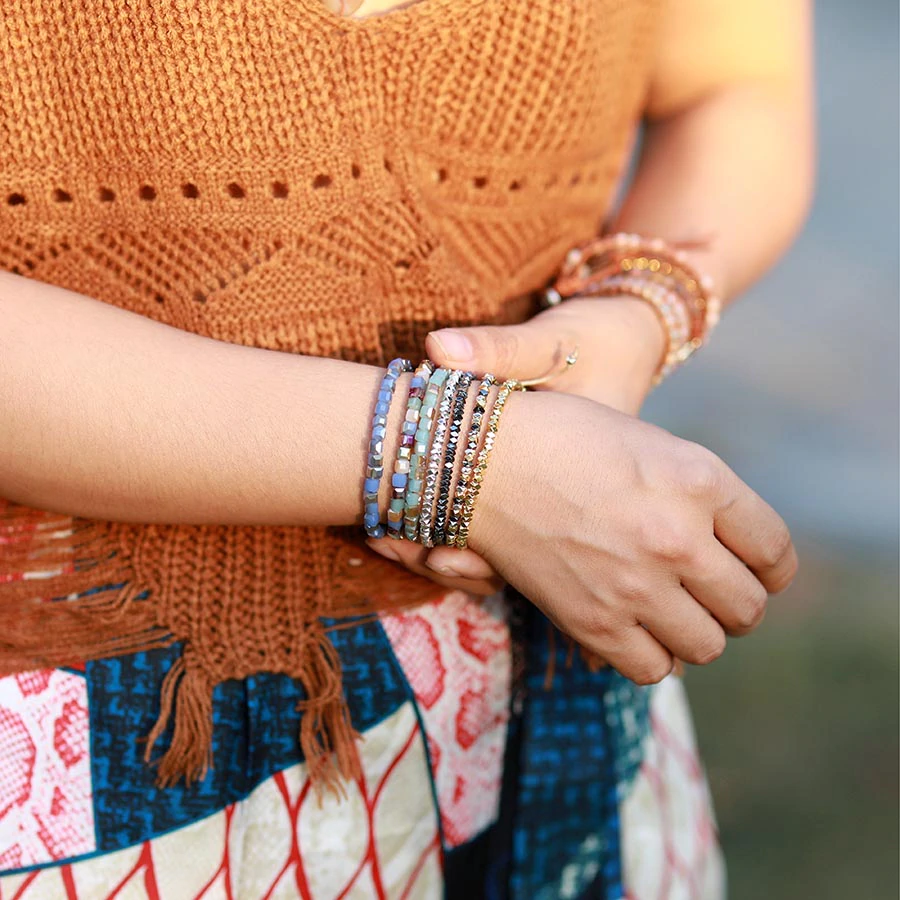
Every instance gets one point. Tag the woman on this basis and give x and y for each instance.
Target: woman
(272, 200)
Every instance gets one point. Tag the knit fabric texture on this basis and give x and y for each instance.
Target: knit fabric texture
(267, 173)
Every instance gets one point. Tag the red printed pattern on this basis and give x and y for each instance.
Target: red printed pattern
(45, 779)
(381, 841)
(456, 655)
(670, 840)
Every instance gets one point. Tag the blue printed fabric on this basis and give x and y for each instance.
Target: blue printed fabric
(580, 738)
(572, 747)
(256, 733)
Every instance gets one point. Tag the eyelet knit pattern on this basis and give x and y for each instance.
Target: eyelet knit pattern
(249, 172)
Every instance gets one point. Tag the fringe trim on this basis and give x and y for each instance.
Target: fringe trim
(47, 559)
(327, 736)
(187, 692)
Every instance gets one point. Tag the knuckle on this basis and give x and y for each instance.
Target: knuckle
(666, 539)
(631, 586)
(709, 650)
(651, 672)
(752, 610)
(777, 547)
(700, 472)
(790, 573)
(597, 621)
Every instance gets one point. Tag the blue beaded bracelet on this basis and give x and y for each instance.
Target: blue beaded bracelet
(375, 459)
(402, 473)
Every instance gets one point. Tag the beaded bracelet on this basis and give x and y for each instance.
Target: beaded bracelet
(471, 448)
(403, 461)
(419, 460)
(654, 259)
(432, 474)
(468, 511)
(589, 268)
(375, 459)
(443, 497)
(671, 312)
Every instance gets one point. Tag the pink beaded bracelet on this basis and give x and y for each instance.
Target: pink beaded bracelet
(649, 270)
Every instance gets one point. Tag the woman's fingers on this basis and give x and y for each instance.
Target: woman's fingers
(462, 563)
(742, 520)
(684, 627)
(634, 653)
(414, 557)
(728, 589)
(755, 533)
(528, 350)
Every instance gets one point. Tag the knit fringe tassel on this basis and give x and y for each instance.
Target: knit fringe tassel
(327, 737)
(47, 559)
(188, 693)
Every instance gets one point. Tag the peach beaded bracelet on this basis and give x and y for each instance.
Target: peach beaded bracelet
(649, 270)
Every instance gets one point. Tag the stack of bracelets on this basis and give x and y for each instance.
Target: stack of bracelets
(441, 460)
(649, 270)
(440, 464)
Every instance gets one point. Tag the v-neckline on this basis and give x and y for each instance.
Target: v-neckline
(397, 17)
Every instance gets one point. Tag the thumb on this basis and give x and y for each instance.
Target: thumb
(529, 350)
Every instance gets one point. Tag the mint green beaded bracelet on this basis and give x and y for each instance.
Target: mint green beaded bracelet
(419, 459)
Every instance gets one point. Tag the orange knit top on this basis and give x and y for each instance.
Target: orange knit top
(266, 173)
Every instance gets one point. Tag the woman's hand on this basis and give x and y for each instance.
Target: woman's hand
(639, 545)
(619, 341)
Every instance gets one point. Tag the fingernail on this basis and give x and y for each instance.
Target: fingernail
(382, 548)
(454, 346)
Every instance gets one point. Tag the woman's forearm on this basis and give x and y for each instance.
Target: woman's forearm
(107, 414)
(728, 155)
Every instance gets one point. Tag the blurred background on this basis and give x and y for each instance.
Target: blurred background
(798, 392)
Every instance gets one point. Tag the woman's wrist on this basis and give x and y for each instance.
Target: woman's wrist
(513, 448)
(621, 342)
(641, 335)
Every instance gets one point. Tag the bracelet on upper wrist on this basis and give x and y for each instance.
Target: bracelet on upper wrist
(649, 270)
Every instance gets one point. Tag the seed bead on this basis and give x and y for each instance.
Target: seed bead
(468, 461)
(462, 536)
(449, 463)
(432, 474)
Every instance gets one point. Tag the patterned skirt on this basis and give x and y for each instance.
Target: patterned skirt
(482, 778)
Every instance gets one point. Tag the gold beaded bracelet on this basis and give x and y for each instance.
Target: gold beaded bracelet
(468, 510)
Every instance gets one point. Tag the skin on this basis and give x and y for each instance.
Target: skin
(638, 544)
(727, 159)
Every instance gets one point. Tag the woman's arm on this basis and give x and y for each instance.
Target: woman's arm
(727, 158)
(107, 414)
(728, 153)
